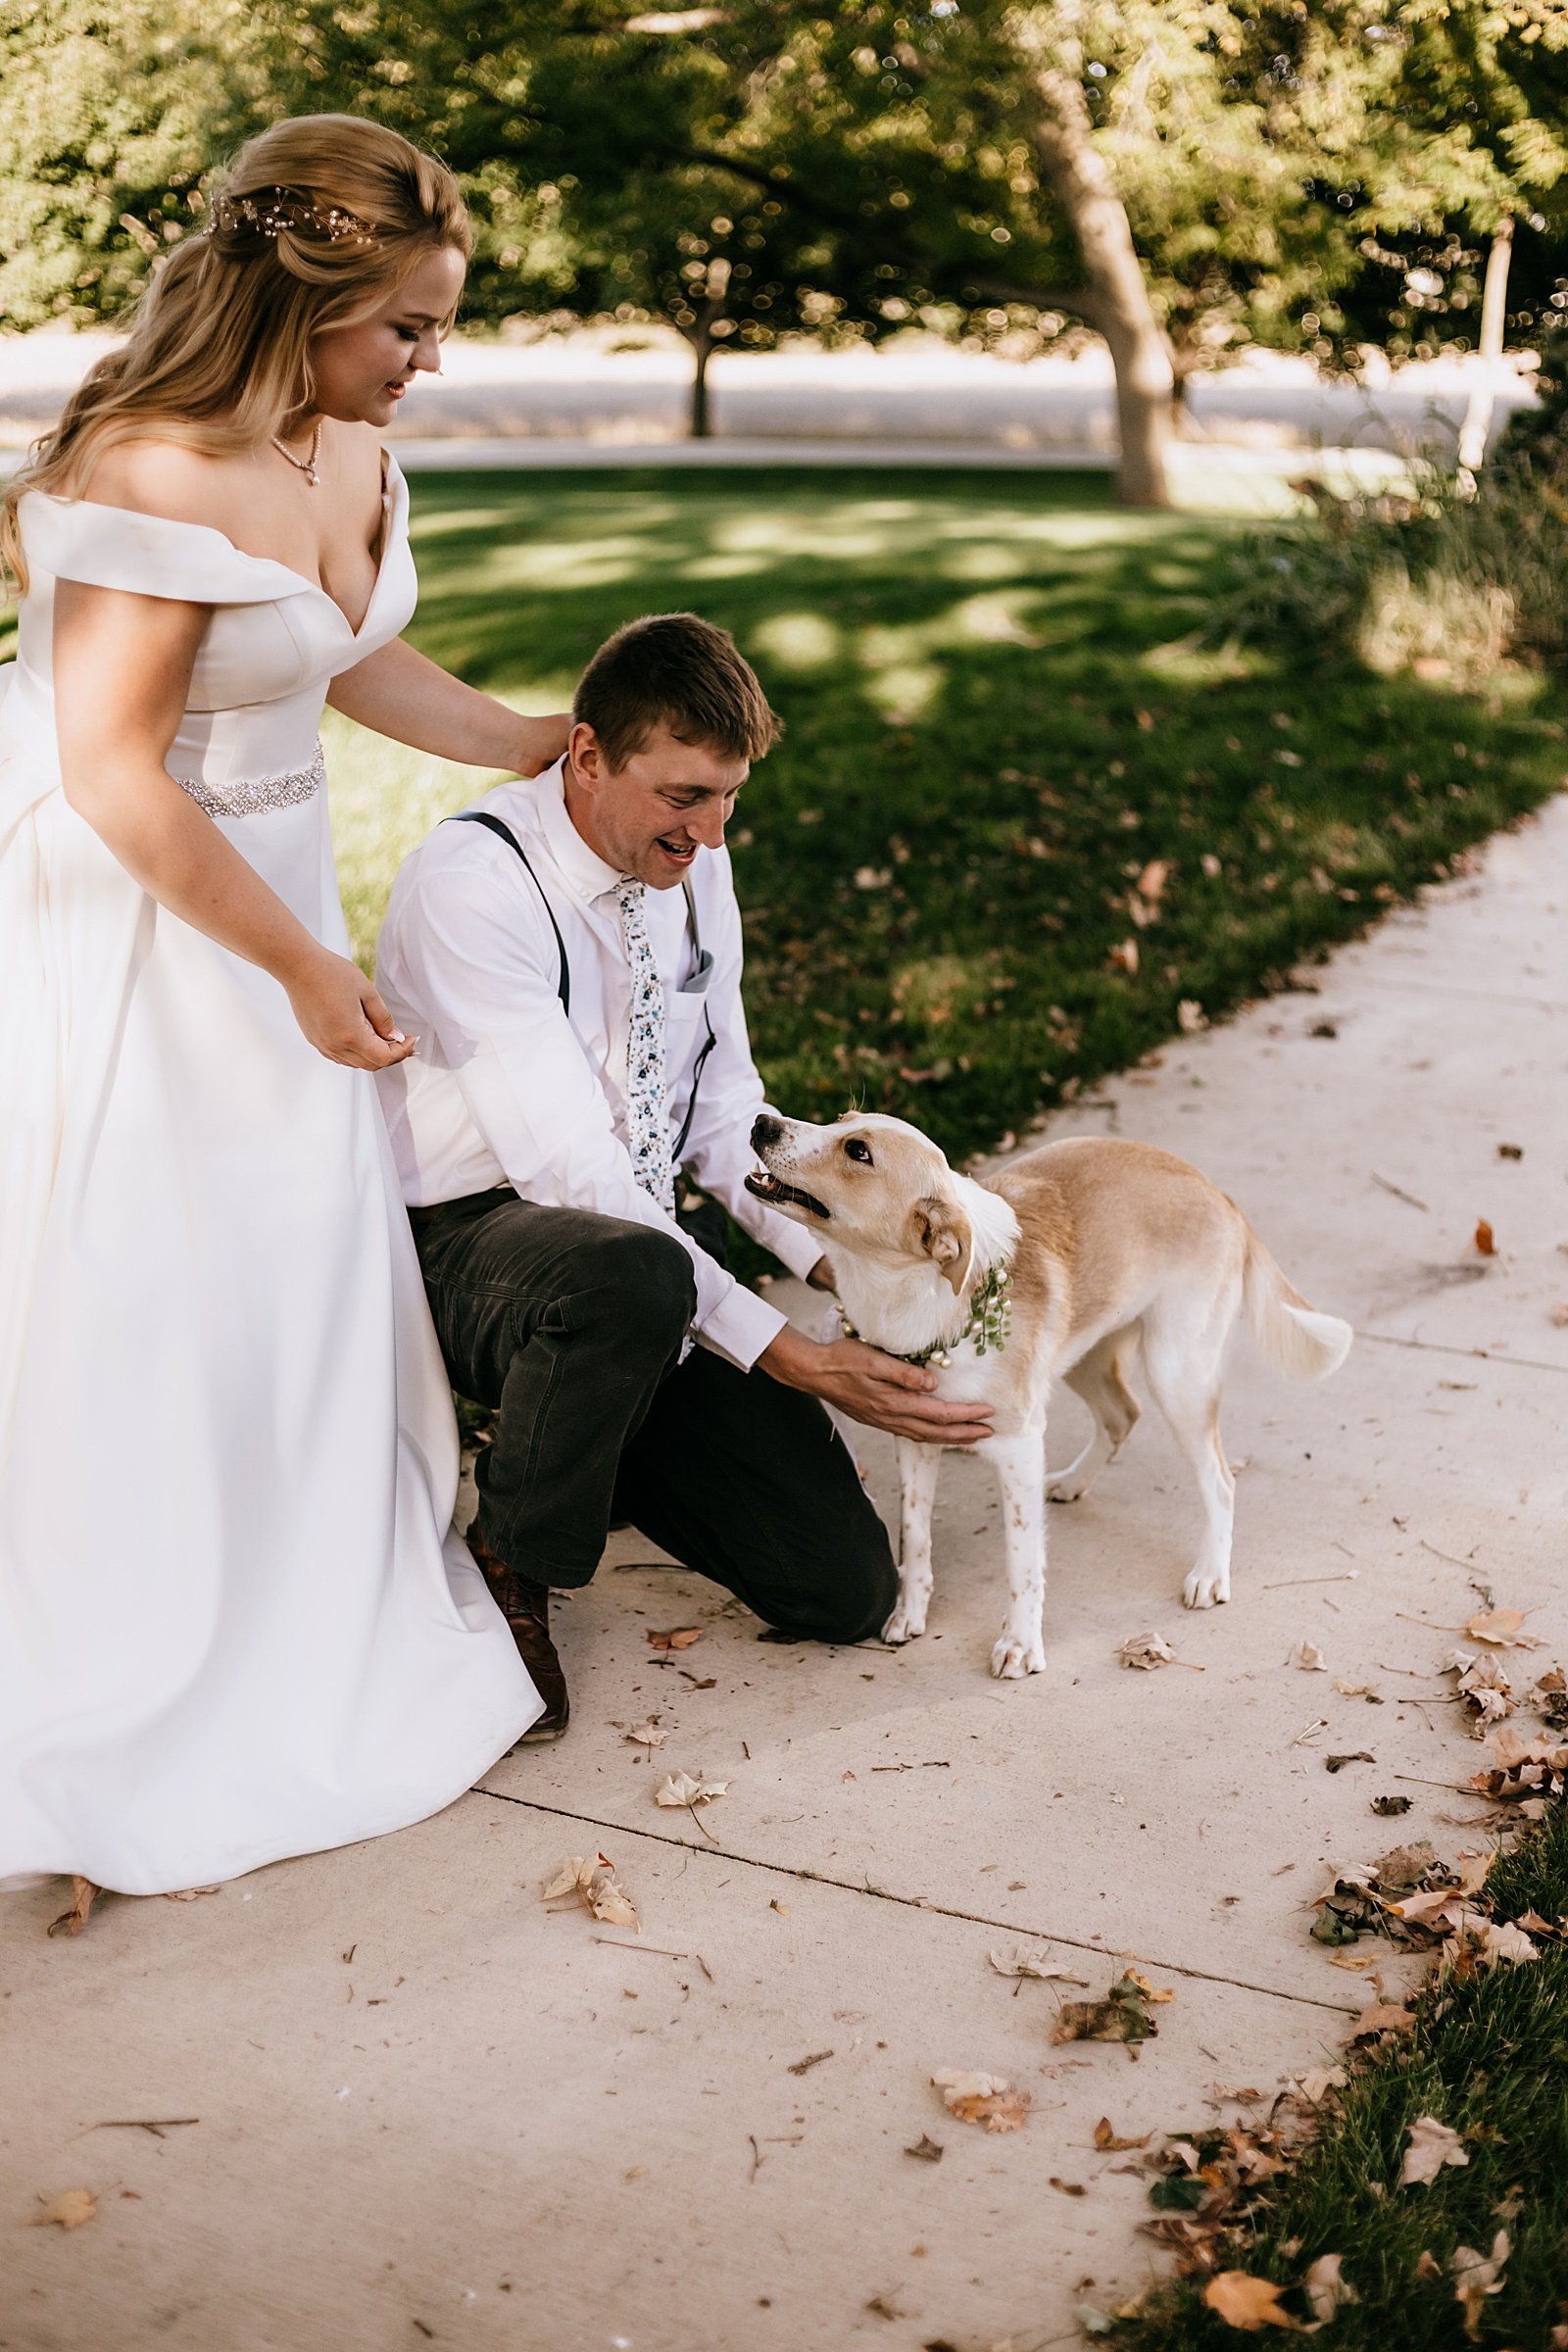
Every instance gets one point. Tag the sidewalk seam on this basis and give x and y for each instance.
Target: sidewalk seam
(910, 1902)
(1485, 1355)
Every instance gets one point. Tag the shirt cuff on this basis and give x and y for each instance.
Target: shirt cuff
(740, 1327)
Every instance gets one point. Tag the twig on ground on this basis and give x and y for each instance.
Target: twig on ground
(1452, 1557)
(1398, 1193)
(1347, 1578)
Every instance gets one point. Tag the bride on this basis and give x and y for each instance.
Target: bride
(234, 1622)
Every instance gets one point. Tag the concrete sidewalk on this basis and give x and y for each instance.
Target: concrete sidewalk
(432, 2110)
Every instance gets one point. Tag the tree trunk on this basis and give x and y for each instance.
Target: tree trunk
(1062, 136)
(702, 343)
(1494, 320)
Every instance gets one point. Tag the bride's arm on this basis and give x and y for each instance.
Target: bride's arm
(398, 693)
(122, 673)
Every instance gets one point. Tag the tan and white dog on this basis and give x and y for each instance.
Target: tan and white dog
(1055, 1267)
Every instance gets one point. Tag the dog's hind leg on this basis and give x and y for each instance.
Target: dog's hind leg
(1100, 1378)
(918, 1493)
(1185, 1366)
(1021, 1467)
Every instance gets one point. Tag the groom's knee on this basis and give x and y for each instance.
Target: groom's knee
(639, 1285)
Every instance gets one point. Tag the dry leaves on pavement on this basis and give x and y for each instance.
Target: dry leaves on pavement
(1024, 1964)
(1309, 1658)
(1122, 2016)
(1502, 1629)
(1109, 2141)
(68, 2211)
(592, 1879)
(1431, 2144)
(647, 1735)
(982, 2100)
(679, 1636)
(681, 1789)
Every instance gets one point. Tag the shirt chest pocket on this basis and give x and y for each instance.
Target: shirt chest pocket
(687, 1027)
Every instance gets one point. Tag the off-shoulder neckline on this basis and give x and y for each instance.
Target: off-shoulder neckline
(395, 488)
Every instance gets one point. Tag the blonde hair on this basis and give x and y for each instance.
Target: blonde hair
(320, 219)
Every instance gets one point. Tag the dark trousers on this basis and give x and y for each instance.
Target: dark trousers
(567, 1325)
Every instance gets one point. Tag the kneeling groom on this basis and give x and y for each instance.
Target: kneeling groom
(569, 955)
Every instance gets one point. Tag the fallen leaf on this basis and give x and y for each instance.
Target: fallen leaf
(928, 2150)
(190, 1894)
(1310, 1659)
(1476, 2276)
(1024, 1964)
(1428, 2267)
(1243, 2301)
(1500, 1627)
(68, 2211)
(1146, 1651)
(1383, 2017)
(592, 1879)
(1190, 1017)
(884, 2310)
(1122, 2016)
(1105, 2138)
(1349, 1689)
(1355, 1960)
(1326, 2286)
(1123, 957)
(1390, 1805)
(647, 1735)
(1358, 1756)
(1486, 1244)
(681, 1637)
(1315, 2086)
(1431, 2144)
(982, 2100)
(1068, 2188)
(680, 1789)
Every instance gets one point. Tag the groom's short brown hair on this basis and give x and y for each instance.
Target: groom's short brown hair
(676, 670)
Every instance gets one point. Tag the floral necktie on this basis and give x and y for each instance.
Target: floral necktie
(647, 1120)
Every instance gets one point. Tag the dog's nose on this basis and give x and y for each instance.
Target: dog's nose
(765, 1130)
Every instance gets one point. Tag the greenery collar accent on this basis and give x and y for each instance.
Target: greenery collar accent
(988, 1328)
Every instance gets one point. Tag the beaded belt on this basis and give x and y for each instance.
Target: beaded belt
(250, 796)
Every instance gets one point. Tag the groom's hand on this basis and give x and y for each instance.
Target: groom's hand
(880, 1390)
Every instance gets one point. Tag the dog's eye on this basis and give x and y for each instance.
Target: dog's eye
(856, 1150)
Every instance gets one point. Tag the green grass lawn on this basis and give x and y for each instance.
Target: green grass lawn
(1489, 2057)
(997, 723)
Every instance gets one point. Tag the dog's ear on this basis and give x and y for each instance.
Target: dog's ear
(941, 1231)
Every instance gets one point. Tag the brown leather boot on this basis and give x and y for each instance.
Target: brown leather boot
(525, 1607)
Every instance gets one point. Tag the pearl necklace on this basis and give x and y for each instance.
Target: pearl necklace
(305, 465)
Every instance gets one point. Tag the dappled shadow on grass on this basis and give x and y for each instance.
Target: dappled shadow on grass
(994, 763)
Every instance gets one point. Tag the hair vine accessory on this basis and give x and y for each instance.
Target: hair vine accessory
(269, 212)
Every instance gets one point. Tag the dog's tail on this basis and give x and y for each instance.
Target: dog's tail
(1291, 1334)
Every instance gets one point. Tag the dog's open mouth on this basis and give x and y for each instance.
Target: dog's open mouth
(775, 1191)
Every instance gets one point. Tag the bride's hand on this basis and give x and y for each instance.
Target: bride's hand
(343, 1016)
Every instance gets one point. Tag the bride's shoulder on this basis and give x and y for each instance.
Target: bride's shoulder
(167, 479)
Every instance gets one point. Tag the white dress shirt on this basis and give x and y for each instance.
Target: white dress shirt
(507, 1089)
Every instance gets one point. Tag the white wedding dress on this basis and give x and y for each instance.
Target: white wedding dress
(234, 1622)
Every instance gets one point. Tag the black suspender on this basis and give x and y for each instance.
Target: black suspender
(493, 824)
(503, 832)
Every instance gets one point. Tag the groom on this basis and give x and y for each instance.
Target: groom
(569, 955)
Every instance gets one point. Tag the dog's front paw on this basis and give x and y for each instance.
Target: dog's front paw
(1018, 1654)
(906, 1622)
(1205, 1590)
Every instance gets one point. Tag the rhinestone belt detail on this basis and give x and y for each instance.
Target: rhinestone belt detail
(250, 796)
